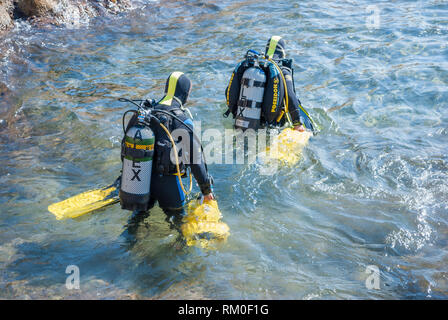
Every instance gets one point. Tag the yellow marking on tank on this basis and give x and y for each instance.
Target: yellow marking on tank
(140, 146)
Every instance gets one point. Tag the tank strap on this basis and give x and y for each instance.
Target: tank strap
(178, 112)
(258, 84)
(136, 153)
(248, 103)
(287, 63)
(226, 114)
(287, 69)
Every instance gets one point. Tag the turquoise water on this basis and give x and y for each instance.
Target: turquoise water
(371, 188)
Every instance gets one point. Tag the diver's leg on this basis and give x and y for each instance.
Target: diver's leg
(171, 199)
(134, 222)
(174, 217)
(139, 216)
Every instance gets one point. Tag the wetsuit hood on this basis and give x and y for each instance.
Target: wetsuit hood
(178, 85)
(275, 48)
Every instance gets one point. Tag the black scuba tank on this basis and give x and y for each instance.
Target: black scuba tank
(137, 151)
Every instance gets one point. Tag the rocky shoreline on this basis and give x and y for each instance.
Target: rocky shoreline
(56, 12)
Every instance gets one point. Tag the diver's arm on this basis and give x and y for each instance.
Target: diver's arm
(293, 101)
(200, 174)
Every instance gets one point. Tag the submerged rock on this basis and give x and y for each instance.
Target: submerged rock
(6, 11)
(5, 19)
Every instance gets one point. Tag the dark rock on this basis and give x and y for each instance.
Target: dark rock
(6, 10)
(58, 12)
(5, 103)
(4, 90)
(37, 8)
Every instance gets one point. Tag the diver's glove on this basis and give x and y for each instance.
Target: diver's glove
(206, 187)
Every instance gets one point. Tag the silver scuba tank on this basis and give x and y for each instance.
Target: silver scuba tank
(251, 98)
(137, 152)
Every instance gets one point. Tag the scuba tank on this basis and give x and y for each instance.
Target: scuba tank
(137, 151)
(251, 99)
(255, 93)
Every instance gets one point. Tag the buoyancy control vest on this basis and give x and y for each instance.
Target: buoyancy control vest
(140, 148)
(255, 92)
(163, 149)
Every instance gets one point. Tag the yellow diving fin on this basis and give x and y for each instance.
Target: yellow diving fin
(287, 146)
(202, 227)
(85, 202)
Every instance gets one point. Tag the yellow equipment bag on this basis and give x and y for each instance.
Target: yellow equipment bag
(202, 226)
(84, 203)
(287, 146)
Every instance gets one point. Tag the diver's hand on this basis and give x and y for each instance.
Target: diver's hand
(299, 128)
(208, 197)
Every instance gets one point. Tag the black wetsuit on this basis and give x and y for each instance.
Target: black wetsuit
(166, 189)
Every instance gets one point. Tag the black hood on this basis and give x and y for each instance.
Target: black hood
(276, 48)
(177, 85)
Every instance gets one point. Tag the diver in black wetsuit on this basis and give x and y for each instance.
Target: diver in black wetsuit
(258, 98)
(166, 187)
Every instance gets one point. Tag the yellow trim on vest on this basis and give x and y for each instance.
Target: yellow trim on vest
(286, 99)
(172, 83)
(280, 115)
(272, 46)
(228, 88)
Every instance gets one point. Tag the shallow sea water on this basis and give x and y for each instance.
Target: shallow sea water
(371, 188)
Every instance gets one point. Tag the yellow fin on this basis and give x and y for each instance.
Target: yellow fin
(83, 203)
(288, 145)
(202, 226)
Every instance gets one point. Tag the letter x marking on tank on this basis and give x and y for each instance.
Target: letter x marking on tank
(136, 175)
(243, 107)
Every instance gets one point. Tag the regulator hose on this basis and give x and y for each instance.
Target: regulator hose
(124, 116)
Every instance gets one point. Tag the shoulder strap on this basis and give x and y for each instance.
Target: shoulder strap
(178, 112)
